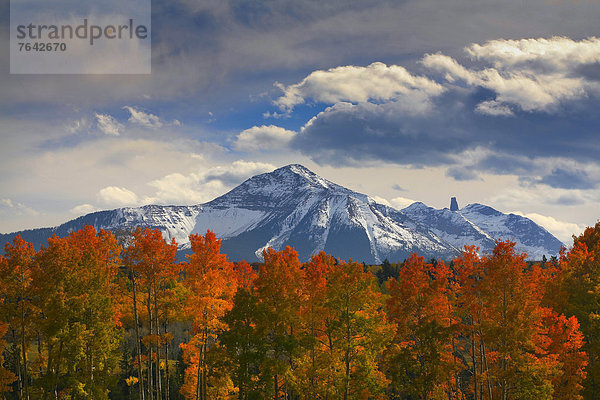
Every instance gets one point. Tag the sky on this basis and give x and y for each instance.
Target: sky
(415, 100)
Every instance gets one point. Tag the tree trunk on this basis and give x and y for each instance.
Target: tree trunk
(57, 369)
(474, 358)
(137, 339)
(149, 363)
(199, 377)
(39, 348)
(167, 383)
(48, 369)
(347, 378)
(204, 372)
(347, 355)
(25, 383)
(485, 365)
(18, 366)
(156, 329)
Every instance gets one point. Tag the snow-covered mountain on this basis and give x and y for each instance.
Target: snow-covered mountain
(480, 225)
(293, 206)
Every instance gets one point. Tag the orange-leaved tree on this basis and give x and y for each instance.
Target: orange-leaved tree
(79, 323)
(565, 342)
(279, 293)
(6, 376)
(421, 361)
(17, 307)
(576, 285)
(241, 341)
(312, 377)
(211, 284)
(358, 331)
(151, 260)
(500, 303)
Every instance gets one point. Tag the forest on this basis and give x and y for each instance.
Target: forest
(102, 315)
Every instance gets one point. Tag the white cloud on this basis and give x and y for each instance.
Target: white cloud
(144, 119)
(533, 74)
(178, 189)
(117, 196)
(77, 125)
(377, 82)
(397, 202)
(83, 209)
(108, 125)
(401, 202)
(264, 137)
(558, 52)
(276, 115)
(561, 229)
(202, 186)
(239, 170)
(381, 200)
(7, 206)
(493, 107)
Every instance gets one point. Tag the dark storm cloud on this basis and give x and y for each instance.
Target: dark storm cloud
(506, 164)
(347, 133)
(369, 131)
(589, 71)
(224, 50)
(568, 179)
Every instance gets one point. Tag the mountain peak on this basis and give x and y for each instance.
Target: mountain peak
(304, 173)
(296, 168)
(453, 204)
(481, 209)
(294, 206)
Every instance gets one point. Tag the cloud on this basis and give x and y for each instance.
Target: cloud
(397, 202)
(381, 200)
(144, 119)
(568, 200)
(77, 125)
(519, 108)
(568, 179)
(83, 209)
(178, 189)
(264, 137)
(401, 202)
(462, 173)
(495, 108)
(108, 125)
(9, 207)
(203, 186)
(376, 82)
(556, 53)
(561, 229)
(532, 74)
(117, 196)
(347, 133)
(238, 171)
(544, 196)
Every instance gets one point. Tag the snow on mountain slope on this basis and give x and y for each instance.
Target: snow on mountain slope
(174, 221)
(529, 236)
(451, 226)
(481, 225)
(293, 206)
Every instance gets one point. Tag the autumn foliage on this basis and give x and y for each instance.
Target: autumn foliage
(98, 316)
